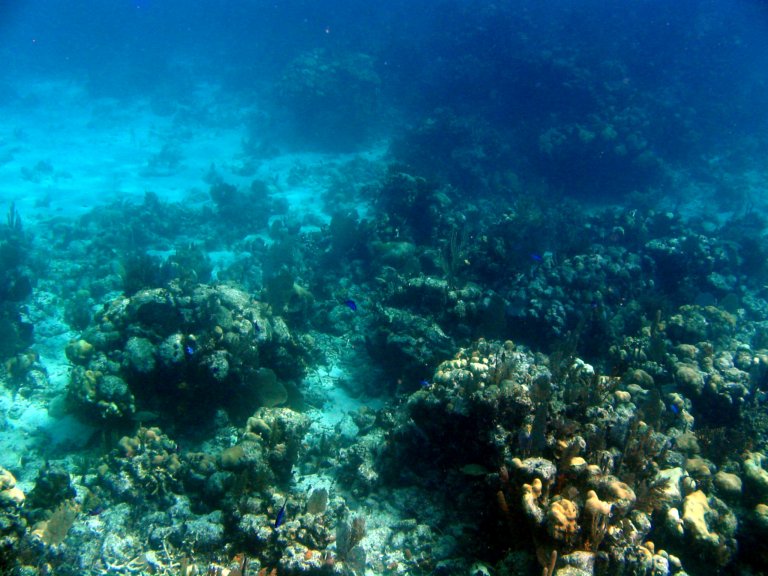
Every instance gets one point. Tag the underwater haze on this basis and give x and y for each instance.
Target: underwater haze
(450, 287)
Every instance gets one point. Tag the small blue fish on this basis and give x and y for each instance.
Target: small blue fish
(675, 409)
(536, 257)
(281, 515)
(188, 350)
(423, 383)
(351, 305)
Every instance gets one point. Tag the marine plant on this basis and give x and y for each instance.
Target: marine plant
(77, 311)
(54, 529)
(250, 207)
(349, 534)
(16, 283)
(13, 220)
(347, 235)
(139, 270)
(453, 255)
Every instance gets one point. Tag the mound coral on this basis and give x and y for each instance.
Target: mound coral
(182, 352)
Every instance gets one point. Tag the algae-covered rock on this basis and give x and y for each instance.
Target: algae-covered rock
(139, 354)
(756, 474)
(689, 379)
(640, 377)
(728, 485)
(53, 486)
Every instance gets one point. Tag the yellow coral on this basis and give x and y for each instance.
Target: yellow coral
(12, 496)
(531, 494)
(594, 506)
(7, 480)
(695, 511)
(79, 351)
(232, 456)
(561, 520)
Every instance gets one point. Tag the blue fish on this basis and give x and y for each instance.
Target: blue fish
(351, 305)
(281, 515)
(674, 408)
(188, 350)
(536, 257)
(423, 383)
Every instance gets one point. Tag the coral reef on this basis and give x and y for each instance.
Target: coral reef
(631, 441)
(596, 495)
(468, 289)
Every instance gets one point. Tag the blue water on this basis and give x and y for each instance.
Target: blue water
(682, 84)
(263, 264)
